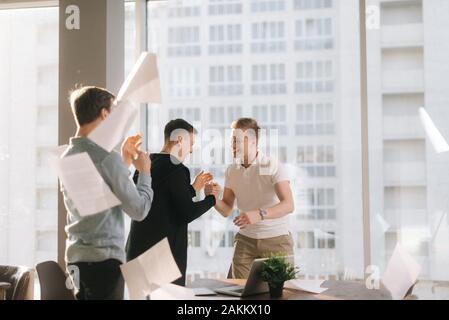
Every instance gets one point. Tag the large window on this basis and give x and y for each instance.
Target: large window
(298, 74)
(28, 132)
(408, 61)
(294, 65)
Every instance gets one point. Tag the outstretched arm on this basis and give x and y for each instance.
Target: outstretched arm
(226, 204)
(180, 193)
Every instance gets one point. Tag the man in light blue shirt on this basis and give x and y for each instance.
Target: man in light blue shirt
(95, 244)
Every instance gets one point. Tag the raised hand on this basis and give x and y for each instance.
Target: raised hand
(201, 180)
(142, 163)
(130, 149)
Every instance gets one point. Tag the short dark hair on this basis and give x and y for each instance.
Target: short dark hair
(177, 124)
(87, 103)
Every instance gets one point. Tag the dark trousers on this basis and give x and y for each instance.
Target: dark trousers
(100, 280)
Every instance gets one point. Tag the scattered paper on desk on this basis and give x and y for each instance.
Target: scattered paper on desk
(112, 131)
(151, 270)
(172, 292)
(401, 274)
(84, 184)
(142, 84)
(436, 138)
(312, 286)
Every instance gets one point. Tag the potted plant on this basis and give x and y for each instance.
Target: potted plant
(276, 270)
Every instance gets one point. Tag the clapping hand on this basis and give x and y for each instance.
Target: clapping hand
(130, 149)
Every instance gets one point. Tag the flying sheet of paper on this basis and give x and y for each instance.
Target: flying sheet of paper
(312, 286)
(155, 268)
(172, 292)
(159, 265)
(57, 152)
(401, 274)
(436, 138)
(138, 286)
(114, 129)
(84, 185)
(143, 84)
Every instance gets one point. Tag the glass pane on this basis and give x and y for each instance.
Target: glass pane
(28, 132)
(306, 88)
(408, 64)
(130, 36)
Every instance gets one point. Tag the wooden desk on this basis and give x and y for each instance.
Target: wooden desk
(4, 286)
(338, 290)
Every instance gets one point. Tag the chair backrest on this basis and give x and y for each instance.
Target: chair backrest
(230, 275)
(52, 280)
(21, 280)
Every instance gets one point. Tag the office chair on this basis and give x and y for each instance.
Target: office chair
(52, 280)
(20, 280)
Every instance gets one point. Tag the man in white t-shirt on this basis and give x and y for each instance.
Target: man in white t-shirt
(261, 187)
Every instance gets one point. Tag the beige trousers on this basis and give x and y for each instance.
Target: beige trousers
(248, 249)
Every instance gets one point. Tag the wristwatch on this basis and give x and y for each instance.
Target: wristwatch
(263, 214)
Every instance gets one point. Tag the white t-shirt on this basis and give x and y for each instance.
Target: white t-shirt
(253, 188)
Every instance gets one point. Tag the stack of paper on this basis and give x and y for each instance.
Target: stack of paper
(154, 269)
(312, 286)
(401, 274)
(85, 187)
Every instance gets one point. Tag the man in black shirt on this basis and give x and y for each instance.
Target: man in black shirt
(173, 207)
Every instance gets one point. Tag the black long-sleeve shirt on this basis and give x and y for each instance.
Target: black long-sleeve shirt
(171, 212)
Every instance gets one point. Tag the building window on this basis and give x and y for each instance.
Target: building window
(28, 63)
(225, 39)
(314, 34)
(267, 5)
(220, 118)
(273, 117)
(312, 4)
(314, 77)
(183, 42)
(194, 239)
(315, 119)
(316, 239)
(185, 9)
(231, 238)
(268, 37)
(306, 240)
(225, 115)
(318, 161)
(317, 204)
(188, 114)
(224, 7)
(184, 82)
(226, 239)
(268, 79)
(225, 81)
